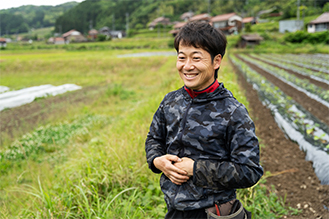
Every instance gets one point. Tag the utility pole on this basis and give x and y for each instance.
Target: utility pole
(298, 3)
(127, 23)
(158, 23)
(113, 22)
(209, 7)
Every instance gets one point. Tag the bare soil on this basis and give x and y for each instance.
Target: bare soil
(317, 83)
(292, 176)
(20, 120)
(314, 107)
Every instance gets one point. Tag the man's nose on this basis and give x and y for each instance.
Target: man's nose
(188, 65)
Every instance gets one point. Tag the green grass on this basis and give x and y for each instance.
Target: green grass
(114, 44)
(98, 170)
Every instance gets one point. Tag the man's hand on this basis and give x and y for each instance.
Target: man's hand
(186, 164)
(165, 164)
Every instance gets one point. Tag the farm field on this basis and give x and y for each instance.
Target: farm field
(81, 154)
(285, 92)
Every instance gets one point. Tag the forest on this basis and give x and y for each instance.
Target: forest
(116, 14)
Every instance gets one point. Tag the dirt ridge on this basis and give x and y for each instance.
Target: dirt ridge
(314, 107)
(293, 177)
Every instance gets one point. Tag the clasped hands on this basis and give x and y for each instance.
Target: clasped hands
(178, 170)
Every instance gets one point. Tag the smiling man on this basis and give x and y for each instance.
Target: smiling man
(201, 138)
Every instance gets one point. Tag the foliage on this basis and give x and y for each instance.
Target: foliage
(114, 15)
(46, 139)
(101, 37)
(22, 19)
(305, 37)
(263, 202)
(11, 23)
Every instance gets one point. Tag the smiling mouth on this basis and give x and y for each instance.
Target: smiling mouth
(191, 75)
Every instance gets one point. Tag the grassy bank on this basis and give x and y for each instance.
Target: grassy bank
(89, 161)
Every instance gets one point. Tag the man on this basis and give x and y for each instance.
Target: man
(201, 138)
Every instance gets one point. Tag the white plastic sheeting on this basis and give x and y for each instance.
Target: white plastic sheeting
(3, 89)
(27, 95)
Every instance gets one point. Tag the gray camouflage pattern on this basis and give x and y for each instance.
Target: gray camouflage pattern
(214, 130)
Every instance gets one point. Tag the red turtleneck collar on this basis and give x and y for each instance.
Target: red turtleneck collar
(194, 93)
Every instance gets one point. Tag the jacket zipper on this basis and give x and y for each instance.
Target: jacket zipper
(180, 139)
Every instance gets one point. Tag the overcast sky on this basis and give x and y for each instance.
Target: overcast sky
(16, 3)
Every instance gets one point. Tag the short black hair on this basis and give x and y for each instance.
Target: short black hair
(202, 35)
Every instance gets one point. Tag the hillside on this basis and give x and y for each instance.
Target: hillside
(116, 14)
(138, 14)
(24, 18)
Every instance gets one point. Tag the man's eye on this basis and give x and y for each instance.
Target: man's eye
(196, 58)
(181, 57)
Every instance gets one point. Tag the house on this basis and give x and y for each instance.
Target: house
(201, 17)
(187, 16)
(73, 36)
(228, 23)
(51, 40)
(249, 40)
(272, 12)
(250, 20)
(92, 34)
(321, 23)
(177, 27)
(160, 20)
(111, 33)
(104, 31)
(59, 41)
(290, 25)
(56, 40)
(3, 42)
(117, 34)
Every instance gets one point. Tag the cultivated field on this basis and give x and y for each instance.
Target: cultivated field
(81, 154)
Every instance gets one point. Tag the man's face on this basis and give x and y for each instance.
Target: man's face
(195, 67)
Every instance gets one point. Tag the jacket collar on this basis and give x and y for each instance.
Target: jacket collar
(219, 93)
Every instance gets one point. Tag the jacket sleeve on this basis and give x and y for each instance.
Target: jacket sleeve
(242, 169)
(155, 144)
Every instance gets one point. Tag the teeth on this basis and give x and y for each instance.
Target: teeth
(190, 76)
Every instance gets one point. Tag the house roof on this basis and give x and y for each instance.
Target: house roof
(199, 17)
(71, 32)
(323, 18)
(179, 25)
(247, 19)
(222, 17)
(92, 31)
(58, 39)
(252, 37)
(162, 20)
(174, 31)
(105, 28)
(186, 15)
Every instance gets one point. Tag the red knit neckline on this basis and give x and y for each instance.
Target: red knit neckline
(209, 89)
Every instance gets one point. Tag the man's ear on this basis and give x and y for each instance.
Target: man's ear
(217, 61)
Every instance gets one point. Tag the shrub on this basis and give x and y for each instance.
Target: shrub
(101, 37)
(304, 37)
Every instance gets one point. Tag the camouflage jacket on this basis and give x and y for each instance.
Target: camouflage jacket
(214, 130)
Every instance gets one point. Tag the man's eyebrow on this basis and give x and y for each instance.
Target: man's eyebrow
(194, 52)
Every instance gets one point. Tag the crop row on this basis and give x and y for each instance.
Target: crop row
(319, 94)
(309, 59)
(319, 76)
(299, 125)
(32, 144)
(296, 60)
